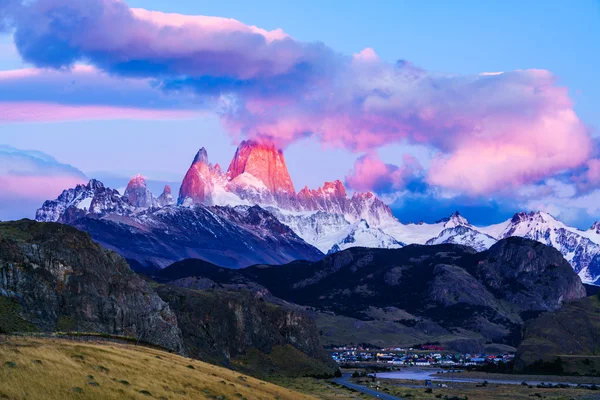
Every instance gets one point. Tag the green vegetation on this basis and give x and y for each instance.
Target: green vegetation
(563, 342)
(37, 368)
(30, 231)
(283, 360)
(66, 324)
(10, 320)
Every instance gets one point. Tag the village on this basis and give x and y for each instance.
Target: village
(427, 355)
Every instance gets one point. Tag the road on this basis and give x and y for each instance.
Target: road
(345, 381)
(422, 375)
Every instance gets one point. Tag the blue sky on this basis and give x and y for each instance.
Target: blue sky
(464, 38)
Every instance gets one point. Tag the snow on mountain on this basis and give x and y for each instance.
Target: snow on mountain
(166, 198)
(593, 233)
(360, 234)
(82, 200)
(462, 234)
(421, 233)
(326, 217)
(199, 181)
(137, 193)
(330, 232)
(575, 245)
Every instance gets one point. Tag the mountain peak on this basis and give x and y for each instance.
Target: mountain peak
(533, 216)
(595, 227)
(137, 192)
(197, 185)
(166, 198)
(201, 156)
(335, 189)
(455, 219)
(137, 181)
(94, 184)
(265, 162)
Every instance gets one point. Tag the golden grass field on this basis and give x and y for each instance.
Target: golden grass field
(473, 391)
(47, 369)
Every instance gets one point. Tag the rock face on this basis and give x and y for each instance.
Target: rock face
(91, 200)
(64, 281)
(223, 326)
(472, 298)
(199, 182)
(166, 198)
(233, 237)
(576, 246)
(138, 194)
(264, 162)
(534, 276)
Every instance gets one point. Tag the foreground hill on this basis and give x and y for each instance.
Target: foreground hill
(445, 292)
(60, 279)
(56, 278)
(239, 330)
(52, 369)
(566, 340)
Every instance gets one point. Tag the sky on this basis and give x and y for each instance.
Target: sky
(483, 107)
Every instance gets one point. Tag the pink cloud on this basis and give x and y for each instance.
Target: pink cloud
(36, 187)
(218, 24)
(372, 174)
(491, 131)
(84, 92)
(48, 112)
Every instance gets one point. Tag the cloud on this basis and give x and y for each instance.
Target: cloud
(28, 178)
(84, 92)
(491, 132)
(370, 173)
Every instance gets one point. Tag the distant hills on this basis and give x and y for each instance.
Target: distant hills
(444, 293)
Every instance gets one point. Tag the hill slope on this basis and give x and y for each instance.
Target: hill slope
(59, 279)
(443, 290)
(571, 334)
(49, 369)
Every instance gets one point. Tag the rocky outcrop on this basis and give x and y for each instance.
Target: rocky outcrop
(234, 237)
(64, 281)
(166, 198)
(266, 163)
(199, 182)
(223, 326)
(482, 297)
(137, 193)
(92, 200)
(529, 274)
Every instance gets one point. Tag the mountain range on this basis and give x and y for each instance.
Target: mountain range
(444, 293)
(252, 214)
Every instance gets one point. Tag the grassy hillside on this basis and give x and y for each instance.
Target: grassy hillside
(58, 369)
(564, 341)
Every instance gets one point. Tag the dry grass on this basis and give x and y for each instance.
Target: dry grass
(320, 388)
(473, 391)
(47, 369)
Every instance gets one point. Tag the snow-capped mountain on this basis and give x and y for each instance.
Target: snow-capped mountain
(326, 218)
(330, 232)
(462, 234)
(578, 247)
(138, 194)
